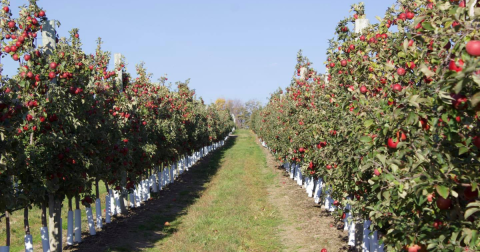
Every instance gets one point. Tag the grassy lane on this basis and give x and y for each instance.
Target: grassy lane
(234, 213)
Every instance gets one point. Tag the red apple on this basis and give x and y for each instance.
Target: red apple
(363, 89)
(53, 65)
(397, 87)
(469, 194)
(476, 141)
(473, 47)
(391, 144)
(454, 66)
(401, 71)
(460, 101)
(437, 224)
(412, 65)
(410, 15)
(430, 197)
(443, 204)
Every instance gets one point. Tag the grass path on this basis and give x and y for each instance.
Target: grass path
(235, 199)
(234, 213)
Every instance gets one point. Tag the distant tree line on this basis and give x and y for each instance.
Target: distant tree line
(241, 111)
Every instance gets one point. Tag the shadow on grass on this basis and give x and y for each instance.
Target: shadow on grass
(158, 218)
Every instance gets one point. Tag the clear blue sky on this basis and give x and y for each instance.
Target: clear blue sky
(232, 49)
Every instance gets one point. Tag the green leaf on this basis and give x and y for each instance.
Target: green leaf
(474, 238)
(454, 237)
(405, 45)
(475, 99)
(427, 26)
(426, 71)
(381, 158)
(458, 88)
(365, 139)
(368, 123)
(471, 211)
(454, 194)
(444, 6)
(462, 150)
(412, 118)
(443, 191)
(452, 11)
(386, 195)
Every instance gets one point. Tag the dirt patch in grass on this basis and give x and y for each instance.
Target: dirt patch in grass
(306, 226)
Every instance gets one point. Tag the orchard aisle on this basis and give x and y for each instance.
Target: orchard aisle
(233, 214)
(220, 204)
(306, 226)
(236, 199)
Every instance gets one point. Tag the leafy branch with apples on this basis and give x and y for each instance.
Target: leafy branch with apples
(67, 122)
(393, 127)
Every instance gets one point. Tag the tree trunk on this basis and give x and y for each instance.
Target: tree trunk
(54, 223)
(25, 221)
(70, 223)
(77, 202)
(78, 221)
(97, 190)
(44, 214)
(123, 194)
(7, 227)
(69, 204)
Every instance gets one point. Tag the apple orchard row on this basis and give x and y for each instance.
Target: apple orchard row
(68, 122)
(392, 127)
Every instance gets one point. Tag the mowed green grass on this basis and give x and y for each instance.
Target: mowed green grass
(233, 213)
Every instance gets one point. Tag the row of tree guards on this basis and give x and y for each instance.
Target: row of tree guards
(317, 189)
(116, 203)
(67, 122)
